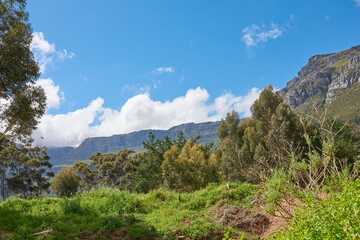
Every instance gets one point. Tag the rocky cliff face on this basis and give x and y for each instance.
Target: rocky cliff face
(323, 80)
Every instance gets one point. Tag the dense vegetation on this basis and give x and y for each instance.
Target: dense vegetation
(302, 169)
(176, 188)
(107, 210)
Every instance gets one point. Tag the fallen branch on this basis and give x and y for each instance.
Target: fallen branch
(43, 232)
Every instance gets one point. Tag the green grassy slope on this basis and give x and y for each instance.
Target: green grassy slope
(346, 107)
(107, 211)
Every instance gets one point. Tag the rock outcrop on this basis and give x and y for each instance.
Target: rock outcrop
(323, 79)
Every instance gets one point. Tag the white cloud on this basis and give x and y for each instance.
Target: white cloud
(45, 52)
(254, 34)
(160, 70)
(139, 112)
(40, 44)
(227, 102)
(357, 2)
(53, 94)
(68, 129)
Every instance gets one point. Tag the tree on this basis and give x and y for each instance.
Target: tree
(29, 172)
(114, 169)
(65, 182)
(23, 170)
(87, 175)
(22, 102)
(251, 147)
(149, 174)
(188, 170)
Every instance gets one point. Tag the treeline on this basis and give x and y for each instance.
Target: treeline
(23, 170)
(251, 149)
(178, 164)
(275, 144)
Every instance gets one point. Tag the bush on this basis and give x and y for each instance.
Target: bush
(65, 182)
(334, 218)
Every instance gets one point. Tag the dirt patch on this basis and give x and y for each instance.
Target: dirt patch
(275, 223)
(116, 235)
(240, 218)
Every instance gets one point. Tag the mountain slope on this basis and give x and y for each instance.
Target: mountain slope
(62, 156)
(329, 81)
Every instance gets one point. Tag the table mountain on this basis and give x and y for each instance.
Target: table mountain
(64, 156)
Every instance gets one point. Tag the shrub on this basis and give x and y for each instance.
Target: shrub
(334, 218)
(65, 182)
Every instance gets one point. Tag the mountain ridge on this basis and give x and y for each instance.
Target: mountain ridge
(63, 156)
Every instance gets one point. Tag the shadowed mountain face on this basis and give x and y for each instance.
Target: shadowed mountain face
(329, 81)
(63, 156)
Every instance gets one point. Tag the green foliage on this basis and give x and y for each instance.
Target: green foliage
(23, 103)
(149, 172)
(250, 148)
(111, 209)
(134, 141)
(199, 228)
(188, 170)
(71, 206)
(65, 182)
(320, 170)
(334, 218)
(87, 175)
(23, 170)
(112, 169)
(228, 237)
(279, 191)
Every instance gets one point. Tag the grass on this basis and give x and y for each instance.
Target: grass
(108, 210)
(347, 104)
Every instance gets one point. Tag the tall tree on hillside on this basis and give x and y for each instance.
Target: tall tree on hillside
(114, 169)
(149, 174)
(251, 147)
(23, 170)
(86, 174)
(188, 170)
(21, 102)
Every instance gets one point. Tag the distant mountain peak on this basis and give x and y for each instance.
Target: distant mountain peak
(328, 81)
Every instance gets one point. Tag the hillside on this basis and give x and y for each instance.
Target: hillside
(62, 156)
(328, 81)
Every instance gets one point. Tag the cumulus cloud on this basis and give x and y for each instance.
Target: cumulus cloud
(254, 34)
(68, 129)
(45, 52)
(160, 70)
(139, 112)
(53, 94)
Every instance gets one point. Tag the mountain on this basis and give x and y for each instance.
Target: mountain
(328, 81)
(64, 156)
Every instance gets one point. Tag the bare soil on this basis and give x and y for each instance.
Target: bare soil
(116, 235)
(241, 219)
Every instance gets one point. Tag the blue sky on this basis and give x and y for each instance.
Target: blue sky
(113, 67)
